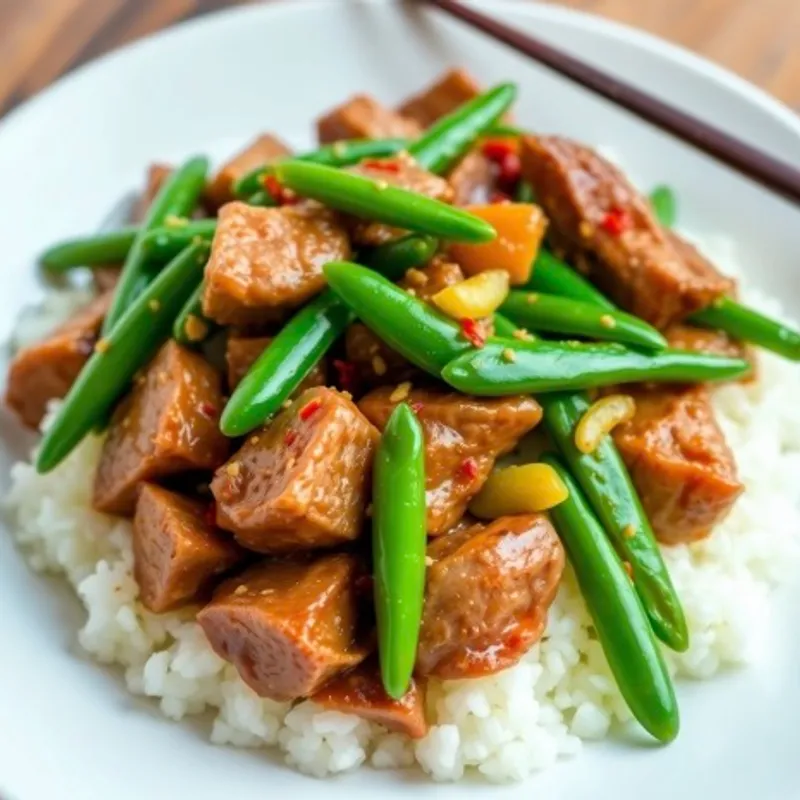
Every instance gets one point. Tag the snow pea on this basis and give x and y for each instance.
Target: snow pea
(552, 275)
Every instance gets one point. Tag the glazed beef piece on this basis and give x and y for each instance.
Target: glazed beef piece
(288, 627)
(679, 462)
(177, 553)
(241, 353)
(45, 370)
(267, 259)
(463, 438)
(266, 149)
(156, 175)
(607, 229)
(401, 171)
(363, 117)
(375, 362)
(487, 594)
(303, 482)
(472, 179)
(361, 692)
(169, 423)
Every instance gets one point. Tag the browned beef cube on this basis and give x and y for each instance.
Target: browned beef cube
(361, 692)
(177, 553)
(680, 462)
(451, 90)
(375, 362)
(156, 175)
(169, 423)
(266, 149)
(402, 171)
(266, 259)
(608, 230)
(363, 117)
(242, 351)
(463, 438)
(303, 482)
(488, 591)
(288, 627)
(46, 370)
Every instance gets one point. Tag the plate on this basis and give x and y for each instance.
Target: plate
(68, 728)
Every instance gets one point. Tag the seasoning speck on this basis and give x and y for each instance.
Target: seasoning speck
(240, 589)
(416, 277)
(233, 469)
(509, 355)
(522, 334)
(531, 298)
(411, 291)
(174, 221)
(378, 365)
(401, 392)
(339, 148)
(381, 186)
(429, 562)
(154, 305)
(254, 440)
(586, 229)
(195, 328)
(607, 321)
(628, 568)
(629, 531)
(102, 346)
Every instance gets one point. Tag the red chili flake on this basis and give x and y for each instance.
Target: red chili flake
(346, 372)
(210, 515)
(473, 332)
(616, 221)
(499, 197)
(417, 407)
(509, 170)
(281, 195)
(468, 469)
(207, 410)
(514, 641)
(381, 166)
(309, 409)
(498, 149)
(290, 438)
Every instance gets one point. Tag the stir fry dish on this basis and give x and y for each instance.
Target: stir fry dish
(363, 404)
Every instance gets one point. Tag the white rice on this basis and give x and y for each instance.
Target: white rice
(505, 726)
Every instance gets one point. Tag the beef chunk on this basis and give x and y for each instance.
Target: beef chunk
(265, 259)
(242, 351)
(376, 363)
(303, 481)
(287, 627)
(451, 90)
(401, 171)
(487, 594)
(608, 230)
(363, 117)
(177, 553)
(46, 370)
(361, 692)
(463, 438)
(266, 149)
(157, 174)
(679, 461)
(169, 423)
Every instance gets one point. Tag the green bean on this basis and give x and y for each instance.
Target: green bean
(552, 275)
(398, 546)
(263, 199)
(619, 620)
(393, 259)
(163, 244)
(177, 197)
(446, 141)
(553, 314)
(381, 202)
(338, 154)
(143, 326)
(749, 325)
(87, 251)
(504, 367)
(192, 326)
(665, 205)
(500, 130)
(605, 482)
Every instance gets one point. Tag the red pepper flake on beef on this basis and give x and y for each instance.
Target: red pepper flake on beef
(616, 221)
(281, 195)
(468, 469)
(381, 166)
(496, 150)
(473, 332)
(503, 154)
(207, 410)
(346, 374)
(309, 409)
(290, 438)
(417, 407)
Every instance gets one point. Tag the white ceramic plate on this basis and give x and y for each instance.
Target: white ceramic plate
(68, 729)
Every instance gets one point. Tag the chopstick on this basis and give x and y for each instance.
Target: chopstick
(774, 174)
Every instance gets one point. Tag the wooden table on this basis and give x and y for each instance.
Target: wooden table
(42, 39)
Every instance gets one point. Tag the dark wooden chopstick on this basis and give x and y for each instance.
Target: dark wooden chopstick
(772, 173)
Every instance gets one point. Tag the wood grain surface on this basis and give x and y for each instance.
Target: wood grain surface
(42, 39)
